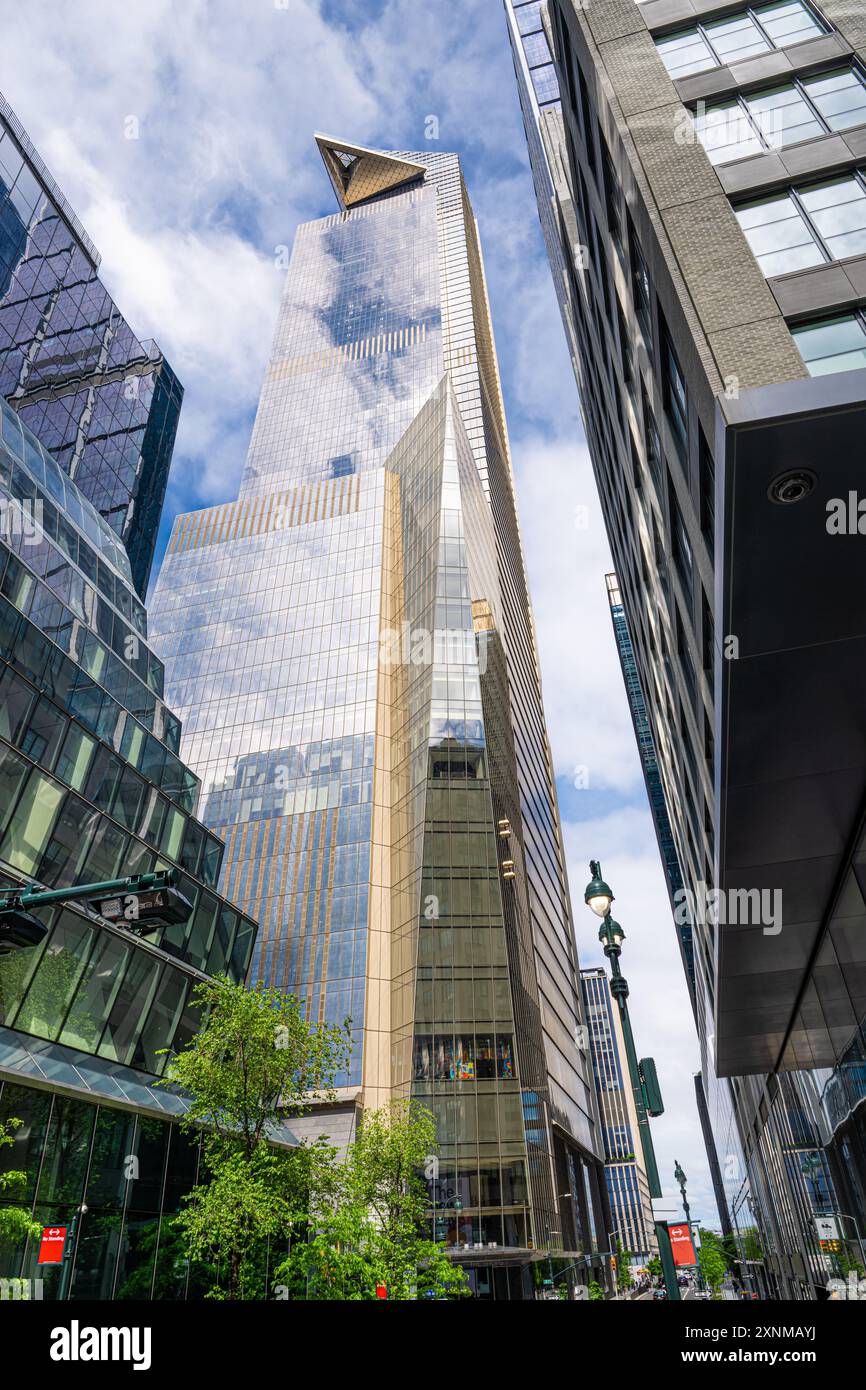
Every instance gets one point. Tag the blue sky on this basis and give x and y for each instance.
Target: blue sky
(181, 131)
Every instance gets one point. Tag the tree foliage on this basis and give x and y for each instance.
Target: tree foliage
(255, 1062)
(372, 1234)
(16, 1223)
(624, 1276)
(714, 1265)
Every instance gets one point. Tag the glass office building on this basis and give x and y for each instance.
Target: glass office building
(91, 789)
(104, 402)
(350, 647)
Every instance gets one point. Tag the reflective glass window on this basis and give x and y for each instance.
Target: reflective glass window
(75, 757)
(736, 38)
(833, 345)
(16, 701)
(739, 36)
(131, 1002)
(783, 116)
(528, 16)
(787, 23)
(30, 827)
(839, 96)
(838, 210)
(779, 235)
(726, 133)
(56, 977)
(44, 733)
(685, 53)
(96, 993)
(64, 1167)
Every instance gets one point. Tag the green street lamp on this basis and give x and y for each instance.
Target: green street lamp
(598, 896)
(680, 1178)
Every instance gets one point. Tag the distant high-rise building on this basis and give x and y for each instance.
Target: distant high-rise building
(351, 647)
(624, 1163)
(104, 403)
(707, 194)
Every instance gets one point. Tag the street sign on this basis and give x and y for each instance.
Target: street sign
(827, 1228)
(664, 1207)
(51, 1245)
(681, 1244)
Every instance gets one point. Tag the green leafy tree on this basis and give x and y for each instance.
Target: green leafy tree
(596, 1292)
(714, 1265)
(848, 1264)
(16, 1223)
(624, 1276)
(654, 1267)
(373, 1231)
(255, 1061)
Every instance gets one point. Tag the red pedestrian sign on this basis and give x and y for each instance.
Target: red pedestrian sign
(681, 1244)
(51, 1245)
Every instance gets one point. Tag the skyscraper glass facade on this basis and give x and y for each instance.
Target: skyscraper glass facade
(104, 403)
(350, 648)
(91, 789)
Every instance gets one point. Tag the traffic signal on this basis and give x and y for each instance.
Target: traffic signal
(19, 930)
(152, 907)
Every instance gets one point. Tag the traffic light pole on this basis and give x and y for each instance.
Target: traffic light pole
(140, 883)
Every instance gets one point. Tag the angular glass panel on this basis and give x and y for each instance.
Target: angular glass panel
(96, 993)
(56, 977)
(29, 829)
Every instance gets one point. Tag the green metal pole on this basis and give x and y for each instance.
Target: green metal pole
(619, 989)
(138, 883)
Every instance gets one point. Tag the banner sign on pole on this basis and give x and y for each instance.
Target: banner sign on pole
(51, 1245)
(681, 1244)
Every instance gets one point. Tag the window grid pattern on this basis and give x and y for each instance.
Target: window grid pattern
(807, 226)
(784, 115)
(758, 29)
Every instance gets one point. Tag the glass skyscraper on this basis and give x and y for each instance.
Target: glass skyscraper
(91, 789)
(350, 646)
(104, 402)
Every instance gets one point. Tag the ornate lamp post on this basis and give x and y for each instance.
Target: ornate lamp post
(598, 897)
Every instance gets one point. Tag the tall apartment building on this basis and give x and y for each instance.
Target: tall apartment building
(710, 210)
(351, 647)
(92, 789)
(624, 1164)
(104, 402)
